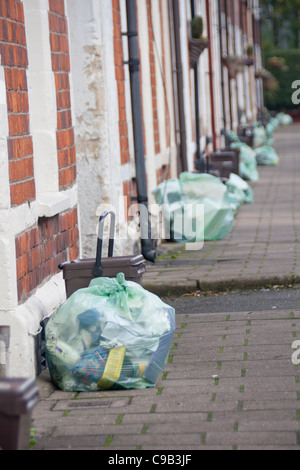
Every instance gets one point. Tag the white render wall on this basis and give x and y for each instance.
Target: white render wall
(167, 153)
(184, 33)
(127, 169)
(205, 111)
(216, 54)
(171, 156)
(142, 18)
(95, 101)
(203, 84)
(95, 105)
(156, 19)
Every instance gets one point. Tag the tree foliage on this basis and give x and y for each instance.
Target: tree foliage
(282, 16)
(285, 68)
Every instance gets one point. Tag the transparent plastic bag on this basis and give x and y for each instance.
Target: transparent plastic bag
(239, 190)
(202, 188)
(113, 334)
(271, 126)
(181, 199)
(284, 119)
(169, 196)
(266, 155)
(248, 163)
(259, 136)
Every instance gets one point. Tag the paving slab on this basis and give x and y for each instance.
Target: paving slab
(262, 248)
(250, 392)
(230, 382)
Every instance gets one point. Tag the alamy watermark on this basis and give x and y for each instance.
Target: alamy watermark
(296, 94)
(182, 222)
(296, 353)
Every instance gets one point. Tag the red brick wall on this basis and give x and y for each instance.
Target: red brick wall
(42, 248)
(14, 60)
(59, 44)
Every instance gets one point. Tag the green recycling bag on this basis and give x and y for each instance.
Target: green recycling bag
(113, 334)
(239, 191)
(266, 155)
(208, 190)
(284, 119)
(248, 163)
(180, 200)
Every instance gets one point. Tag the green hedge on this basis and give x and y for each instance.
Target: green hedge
(281, 99)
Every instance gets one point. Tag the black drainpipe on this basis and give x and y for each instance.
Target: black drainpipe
(200, 164)
(137, 119)
(179, 73)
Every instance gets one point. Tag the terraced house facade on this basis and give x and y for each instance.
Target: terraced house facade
(77, 136)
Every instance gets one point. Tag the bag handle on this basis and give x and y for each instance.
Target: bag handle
(97, 269)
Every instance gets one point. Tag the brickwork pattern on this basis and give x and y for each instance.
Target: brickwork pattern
(59, 44)
(42, 248)
(14, 59)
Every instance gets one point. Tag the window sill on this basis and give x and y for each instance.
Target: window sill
(51, 204)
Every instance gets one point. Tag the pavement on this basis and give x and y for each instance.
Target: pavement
(232, 379)
(263, 247)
